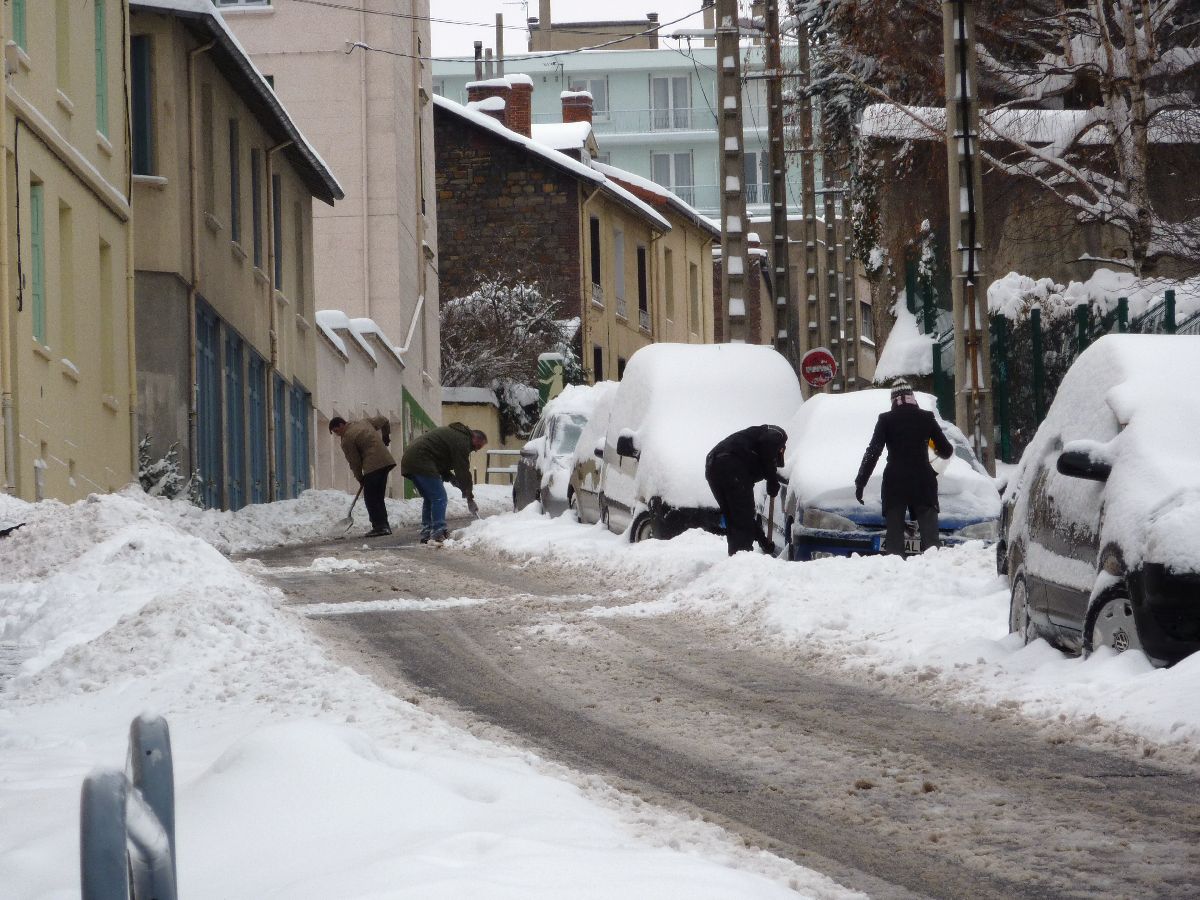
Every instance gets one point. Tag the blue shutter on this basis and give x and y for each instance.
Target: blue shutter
(208, 425)
(301, 406)
(235, 422)
(256, 385)
(280, 449)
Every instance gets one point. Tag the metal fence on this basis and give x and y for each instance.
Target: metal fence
(127, 821)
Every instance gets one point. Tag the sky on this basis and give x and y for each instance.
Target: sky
(458, 40)
(297, 777)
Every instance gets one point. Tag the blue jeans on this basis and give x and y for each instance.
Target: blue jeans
(433, 507)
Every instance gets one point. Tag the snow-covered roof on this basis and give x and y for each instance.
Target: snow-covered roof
(365, 333)
(884, 121)
(652, 187)
(488, 104)
(470, 395)
(559, 160)
(259, 95)
(563, 135)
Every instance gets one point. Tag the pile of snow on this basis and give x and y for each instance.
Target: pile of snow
(679, 400)
(1015, 295)
(936, 624)
(906, 351)
(826, 442)
(1118, 397)
(295, 776)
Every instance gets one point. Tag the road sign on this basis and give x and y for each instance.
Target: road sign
(818, 367)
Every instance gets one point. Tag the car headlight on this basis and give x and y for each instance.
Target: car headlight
(980, 531)
(827, 521)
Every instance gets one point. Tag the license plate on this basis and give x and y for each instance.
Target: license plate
(820, 554)
(912, 545)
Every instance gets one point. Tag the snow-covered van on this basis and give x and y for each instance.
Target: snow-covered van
(1100, 534)
(675, 402)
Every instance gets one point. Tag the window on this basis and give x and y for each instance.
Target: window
(619, 269)
(208, 148)
(669, 281)
(598, 88)
(20, 31)
(235, 181)
(595, 249)
(674, 171)
(277, 227)
(694, 298)
(37, 252)
(643, 288)
(256, 210)
(620, 367)
(597, 362)
(604, 158)
(298, 252)
(758, 176)
(66, 282)
(142, 105)
(62, 45)
(866, 324)
(108, 324)
(101, 69)
(670, 103)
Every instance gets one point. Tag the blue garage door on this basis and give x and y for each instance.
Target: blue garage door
(256, 392)
(280, 488)
(208, 424)
(301, 412)
(235, 421)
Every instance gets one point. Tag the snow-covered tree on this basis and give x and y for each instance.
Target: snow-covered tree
(164, 476)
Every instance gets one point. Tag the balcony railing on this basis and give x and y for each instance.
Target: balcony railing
(706, 198)
(646, 121)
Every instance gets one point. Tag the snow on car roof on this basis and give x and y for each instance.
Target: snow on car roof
(1133, 398)
(578, 399)
(826, 441)
(681, 399)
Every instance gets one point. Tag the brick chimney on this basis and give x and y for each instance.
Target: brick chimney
(520, 104)
(576, 106)
(483, 92)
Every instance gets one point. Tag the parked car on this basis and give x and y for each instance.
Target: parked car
(1101, 523)
(817, 515)
(674, 403)
(583, 494)
(544, 466)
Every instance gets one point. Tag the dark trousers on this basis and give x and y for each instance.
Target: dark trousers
(374, 486)
(734, 490)
(927, 522)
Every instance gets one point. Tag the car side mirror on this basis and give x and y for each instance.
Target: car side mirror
(1081, 464)
(626, 446)
(598, 452)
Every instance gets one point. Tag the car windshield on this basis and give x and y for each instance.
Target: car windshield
(565, 434)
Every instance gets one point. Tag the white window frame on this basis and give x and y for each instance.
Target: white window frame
(678, 115)
(588, 83)
(686, 192)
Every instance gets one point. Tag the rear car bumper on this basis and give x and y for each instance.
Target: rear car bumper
(816, 543)
(670, 521)
(1166, 607)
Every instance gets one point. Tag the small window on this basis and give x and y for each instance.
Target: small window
(208, 148)
(694, 298)
(37, 253)
(298, 252)
(20, 28)
(256, 207)
(277, 227)
(643, 285)
(598, 88)
(62, 45)
(669, 281)
(101, 68)
(142, 97)
(597, 362)
(595, 248)
(620, 367)
(235, 181)
(866, 323)
(619, 264)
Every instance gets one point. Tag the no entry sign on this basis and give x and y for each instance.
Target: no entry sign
(818, 367)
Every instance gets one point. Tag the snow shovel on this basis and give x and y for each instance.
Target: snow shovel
(771, 520)
(348, 522)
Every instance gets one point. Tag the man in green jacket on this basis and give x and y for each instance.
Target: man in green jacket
(443, 454)
(364, 444)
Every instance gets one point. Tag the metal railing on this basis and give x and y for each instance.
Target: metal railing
(490, 469)
(127, 821)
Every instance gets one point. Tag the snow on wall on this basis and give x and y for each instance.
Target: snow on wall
(907, 351)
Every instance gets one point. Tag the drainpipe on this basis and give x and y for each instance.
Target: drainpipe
(365, 163)
(274, 307)
(7, 343)
(130, 278)
(585, 271)
(194, 284)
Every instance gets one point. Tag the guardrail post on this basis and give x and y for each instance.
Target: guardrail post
(104, 867)
(153, 771)
(1169, 312)
(1123, 314)
(1039, 365)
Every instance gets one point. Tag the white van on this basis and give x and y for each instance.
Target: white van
(674, 404)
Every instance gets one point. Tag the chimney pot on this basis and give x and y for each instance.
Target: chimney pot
(577, 106)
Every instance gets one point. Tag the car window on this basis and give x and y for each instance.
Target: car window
(565, 434)
(538, 430)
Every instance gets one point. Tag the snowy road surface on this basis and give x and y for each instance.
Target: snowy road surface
(885, 790)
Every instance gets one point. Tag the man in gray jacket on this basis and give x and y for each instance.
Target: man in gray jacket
(364, 444)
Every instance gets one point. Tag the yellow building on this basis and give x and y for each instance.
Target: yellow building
(66, 302)
(223, 184)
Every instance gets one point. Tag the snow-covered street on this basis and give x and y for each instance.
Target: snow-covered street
(298, 777)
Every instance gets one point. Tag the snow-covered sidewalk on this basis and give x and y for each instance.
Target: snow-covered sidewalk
(295, 777)
(935, 624)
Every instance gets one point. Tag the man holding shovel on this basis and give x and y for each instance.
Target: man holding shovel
(364, 444)
(437, 456)
(732, 469)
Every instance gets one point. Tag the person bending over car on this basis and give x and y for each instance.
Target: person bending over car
(732, 469)
(909, 481)
(440, 455)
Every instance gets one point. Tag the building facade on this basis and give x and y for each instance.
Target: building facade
(67, 387)
(223, 191)
(368, 112)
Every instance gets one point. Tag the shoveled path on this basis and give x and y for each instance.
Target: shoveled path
(886, 795)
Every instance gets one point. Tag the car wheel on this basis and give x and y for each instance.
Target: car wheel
(643, 528)
(573, 505)
(1113, 625)
(1020, 620)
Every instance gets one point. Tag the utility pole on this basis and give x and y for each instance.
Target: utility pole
(733, 169)
(850, 345)
(809, 334)
(833, 287)
(778, 162)
(972, 351)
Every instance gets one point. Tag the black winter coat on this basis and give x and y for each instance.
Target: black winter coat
(757, 449)
(908, 477)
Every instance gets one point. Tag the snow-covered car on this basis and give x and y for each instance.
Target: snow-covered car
(583, 495)
(545, 463)
(817, 515)
(1101, 524)
(674, 404)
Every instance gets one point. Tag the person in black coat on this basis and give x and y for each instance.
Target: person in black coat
(732, 469)
(909, 481)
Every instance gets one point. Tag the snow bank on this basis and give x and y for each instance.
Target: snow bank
(1015, 295)
(907, 351)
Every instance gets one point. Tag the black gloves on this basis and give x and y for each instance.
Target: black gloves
(858, 489)
(772, 488)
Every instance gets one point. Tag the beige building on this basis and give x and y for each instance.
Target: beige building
(66, 300)
(368, 112)
(223, 186)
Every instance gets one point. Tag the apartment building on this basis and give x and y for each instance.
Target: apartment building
(223, 190)
(67, 387)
